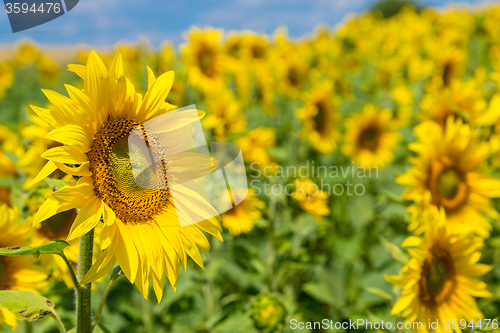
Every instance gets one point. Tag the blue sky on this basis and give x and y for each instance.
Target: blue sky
(101, 23)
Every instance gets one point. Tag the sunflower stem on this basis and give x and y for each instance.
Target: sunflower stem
(98, 314)
(28, 328)
(71, 270)
(83, 305)
(60, 324)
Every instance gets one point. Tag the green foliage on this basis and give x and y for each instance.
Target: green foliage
(52, 247)
(26, 305)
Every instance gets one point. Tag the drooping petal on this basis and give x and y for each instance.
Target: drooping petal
(76, 195)
(88, 217)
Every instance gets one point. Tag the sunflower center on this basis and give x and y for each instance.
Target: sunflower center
(3, 273)
(293, 77)
(369, 138)
(57, 226)
(448, 72)
(113, 177)
(321, 117)
(205, 61)
(5, 196)
(234, 50)
(258, 52)
(449, 183)
(437, 278)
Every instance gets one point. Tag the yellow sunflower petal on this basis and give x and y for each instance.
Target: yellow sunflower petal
(88, 217)
(96, 85)
(155, 97)
(46, 171)
(71, 135)
(78, 70)
(66, 154)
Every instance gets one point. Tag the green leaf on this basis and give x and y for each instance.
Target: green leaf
(26, 305)
(395, 251)
(55, 184)
(379, 292)
(53, 247)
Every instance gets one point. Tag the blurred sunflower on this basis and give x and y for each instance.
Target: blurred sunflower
(371, 137)
(403, 96)
(202, 56)
(36, 144)
(449, 173)
(26, 53)
(166, 57)
(320, 118)
(233, 47)
(449, 64)
(49, 71)
(241, 219)
(224, 114)
(265, 89)
(268, 313)
(292, 74)
(255, 145)
(10, 147)
(440, 280)
(256, 48)
(6, 77)
(460, 100)
(311, 198)
(141, 228)
(55, 227)
(17, 273)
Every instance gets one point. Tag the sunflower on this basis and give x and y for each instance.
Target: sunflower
(17, 273)
(268, 313)
(460, 100)
(233, 46)
(235, 66)
(448, 173)
(292, 73)
(56, 227)
(403, 96)
(371, 137)
(6, 77)
(311, 198)
(9, 146)
(30, 161)
(224, 114)
(241, 219)
(255, 145)
(256, 48)
(450, 64)
(202, 56)
(319, 116)
(49, 71)
(440, 280)
(166, 57)
(26, 53)
(265, 88)
(140, 229)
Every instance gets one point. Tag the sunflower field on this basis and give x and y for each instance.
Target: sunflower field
(372, 154)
